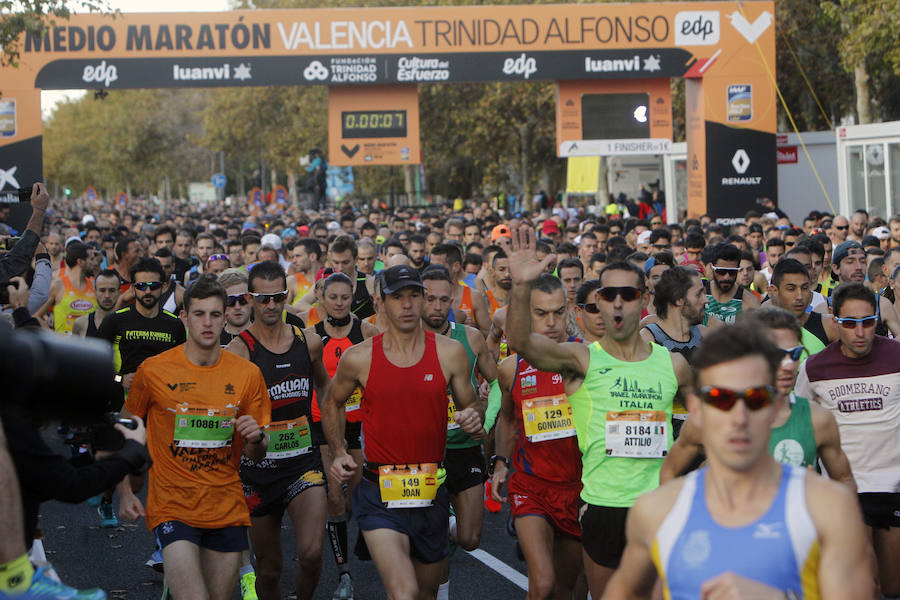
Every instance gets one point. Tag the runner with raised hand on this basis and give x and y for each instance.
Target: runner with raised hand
(624, 389)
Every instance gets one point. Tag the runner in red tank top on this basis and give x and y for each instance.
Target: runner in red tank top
(339, 332)
(536, 429)
(401, 508)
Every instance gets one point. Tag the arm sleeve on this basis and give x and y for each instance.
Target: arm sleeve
(493, 407)
(138, 400)
(14, 262)
(40, 285)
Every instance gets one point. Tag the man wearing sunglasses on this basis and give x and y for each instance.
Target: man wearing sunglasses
(803, 433)
(587, 309)
(726, 297)
(623, 395)
(143, 329)
(237, 304)
(858, 380)
(744, 526)
(849, 266)
(291, 478)
(840, 227)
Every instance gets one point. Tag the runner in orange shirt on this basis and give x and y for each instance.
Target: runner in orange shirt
(203, 408)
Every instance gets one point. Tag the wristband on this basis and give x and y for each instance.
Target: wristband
(493, 462)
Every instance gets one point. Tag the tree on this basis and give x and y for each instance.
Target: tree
(35, 17)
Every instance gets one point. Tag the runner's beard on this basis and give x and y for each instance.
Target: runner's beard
(149, 301)
(725, 285)
(436, 322)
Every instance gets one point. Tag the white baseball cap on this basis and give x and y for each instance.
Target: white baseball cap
(271, 239)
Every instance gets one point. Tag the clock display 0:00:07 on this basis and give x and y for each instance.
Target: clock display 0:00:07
(373, 124)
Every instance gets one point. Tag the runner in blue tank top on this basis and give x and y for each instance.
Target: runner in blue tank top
(744, 526)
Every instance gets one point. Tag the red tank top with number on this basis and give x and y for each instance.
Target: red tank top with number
(404, 415)
(557, 460)
(332, 350)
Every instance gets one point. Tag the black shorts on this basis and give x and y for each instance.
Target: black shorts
(881, 510)
(222, 539)
(428, 528)
(603, 533)
(352, 433)
(465, 468)
(271, 497)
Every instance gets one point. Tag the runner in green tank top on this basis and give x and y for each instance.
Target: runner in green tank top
(464, 461)
(622, 408)
(803, 433)
(727, 299)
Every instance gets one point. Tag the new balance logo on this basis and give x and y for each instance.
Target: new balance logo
(429, 377)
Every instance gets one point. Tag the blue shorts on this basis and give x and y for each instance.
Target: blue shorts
(427, 528)
(221, 539)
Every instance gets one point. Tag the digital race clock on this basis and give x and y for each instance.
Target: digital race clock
(373, 124)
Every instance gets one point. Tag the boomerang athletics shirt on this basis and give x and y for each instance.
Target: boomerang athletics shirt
(190, 413)
(863, 394)
(135, 337)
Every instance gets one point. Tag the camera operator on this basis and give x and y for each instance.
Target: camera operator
(17, 260)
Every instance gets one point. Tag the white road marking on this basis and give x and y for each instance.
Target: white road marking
(500, 567)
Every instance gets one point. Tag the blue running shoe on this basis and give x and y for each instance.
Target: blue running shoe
(94, 501)
(44, 588)
(107, 514)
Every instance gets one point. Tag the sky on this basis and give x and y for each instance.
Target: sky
(50, 98)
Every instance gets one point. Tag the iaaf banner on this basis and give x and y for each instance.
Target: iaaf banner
(373, 45)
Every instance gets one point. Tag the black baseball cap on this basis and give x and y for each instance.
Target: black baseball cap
(398, 277)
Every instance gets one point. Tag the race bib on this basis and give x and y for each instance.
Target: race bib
(547, 418)
(451, 409)
(354, 402)
(203, 427)
(636, 434)
(408, 487)
(289, 438)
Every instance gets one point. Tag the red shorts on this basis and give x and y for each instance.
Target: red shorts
(556, 502)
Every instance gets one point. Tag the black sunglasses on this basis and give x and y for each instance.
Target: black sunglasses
(724, 398)
(266, 298)
(842, 227)
(236, 299)
(590, 308)
(148, 285)
(628, 293)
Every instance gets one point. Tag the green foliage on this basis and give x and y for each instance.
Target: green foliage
(35, 17)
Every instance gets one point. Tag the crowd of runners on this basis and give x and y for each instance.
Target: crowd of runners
(669, 409)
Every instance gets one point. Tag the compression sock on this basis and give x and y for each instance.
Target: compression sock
(16, 576)
(444, 591)
(337, 535)
(246, 570)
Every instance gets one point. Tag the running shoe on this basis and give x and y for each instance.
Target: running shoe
(44, 588)
(248, 587)
(107, 514)
(344, 589)
(94, 501)
(155, 561)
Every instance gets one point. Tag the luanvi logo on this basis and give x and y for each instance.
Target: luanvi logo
(222, 73)
(524, 65)
(8, 176)
(102, 73)
(697, 28)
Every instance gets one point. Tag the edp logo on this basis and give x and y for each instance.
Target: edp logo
(524, 65)
(101, 73)
(697, 28)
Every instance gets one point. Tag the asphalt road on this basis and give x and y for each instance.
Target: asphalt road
(85, 555)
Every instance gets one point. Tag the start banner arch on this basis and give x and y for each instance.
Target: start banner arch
(725, 50)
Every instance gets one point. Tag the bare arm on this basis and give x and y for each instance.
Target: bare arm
(505, 430)
(55, 289)
(486, 363)
(368, 330)
(846, 562)
(828, 446)
(889, 315)
(684, 451)
(495, 335)
(238, 347)
(684, 375)
(79, 327)
(481, 310)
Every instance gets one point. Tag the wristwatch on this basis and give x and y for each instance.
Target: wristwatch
(791, 595)
(262, 436)
(494, 460)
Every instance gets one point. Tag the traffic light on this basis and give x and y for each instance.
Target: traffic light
(68, 191)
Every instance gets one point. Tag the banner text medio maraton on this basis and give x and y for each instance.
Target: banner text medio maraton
(362, 35)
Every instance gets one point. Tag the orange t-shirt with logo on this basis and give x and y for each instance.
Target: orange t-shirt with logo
(190, 412)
